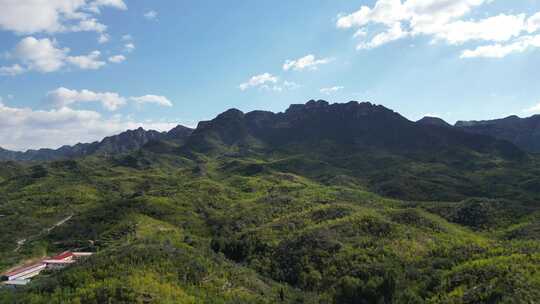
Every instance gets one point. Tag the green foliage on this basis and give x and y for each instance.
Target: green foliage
(272, 228)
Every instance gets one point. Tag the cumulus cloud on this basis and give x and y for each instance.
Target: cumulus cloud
(12, 70)
(307, 62)
(151, 15)
(117, 59)
(391, 20)
(45, 56)
(533, 23)
(41, 55)
(63, 97)
(24, 128)
(153, 99)
(87, 62)
(36, 16)
(258, 81)
(89, 25)
(330, 90)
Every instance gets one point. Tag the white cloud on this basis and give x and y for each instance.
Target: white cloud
(117, 58)
(89, 25)
(63, 97)
(393, 33)
(496, 28)
(533, 23)
(154, 99)
(330, 90)
(503, 50)
(24, 128)
(96, 4)
(87, 62)
(44, 55)
(40, 54)
(259, 80)
(104, 38)
(533, 110)
(442, 20)
(12, 70)
(129, 47)
(151, 15)
(127, 37)
(306, 62)
(51, 16)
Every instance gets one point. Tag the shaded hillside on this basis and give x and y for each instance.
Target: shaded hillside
(433, 121)
(523, 132)
(351, 126)
(373, 146)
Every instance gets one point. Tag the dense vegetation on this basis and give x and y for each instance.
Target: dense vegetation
(224, 219)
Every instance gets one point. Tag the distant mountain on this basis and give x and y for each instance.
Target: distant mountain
(523, 132)
(124, 142)
(433, 121)
(350, 127)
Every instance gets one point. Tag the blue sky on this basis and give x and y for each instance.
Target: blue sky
(159, 63)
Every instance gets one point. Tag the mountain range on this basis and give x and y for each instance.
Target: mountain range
(322, 203)
(130, 140)
(523, 132)
(355, 124)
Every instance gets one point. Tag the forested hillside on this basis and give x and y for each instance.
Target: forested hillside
(343, 203)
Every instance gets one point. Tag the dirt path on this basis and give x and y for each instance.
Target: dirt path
(21, 242)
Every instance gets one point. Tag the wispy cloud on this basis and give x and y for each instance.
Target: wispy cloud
(309, 62)
(151, 15)
(331, 90)
(259, 80)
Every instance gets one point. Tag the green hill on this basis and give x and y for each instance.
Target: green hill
(321, 204)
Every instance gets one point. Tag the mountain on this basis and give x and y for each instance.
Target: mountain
(124, 142)
(523, 132)
(351, 126)
(323, 203)
(433, 121)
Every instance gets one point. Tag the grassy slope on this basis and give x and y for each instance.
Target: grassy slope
(228, 230)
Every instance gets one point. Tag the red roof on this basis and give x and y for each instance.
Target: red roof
(23, 269)
(63, 256)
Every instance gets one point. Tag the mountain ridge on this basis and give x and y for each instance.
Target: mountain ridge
(120, 143)
(355, 124)
(352, 125)
(523, 132)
